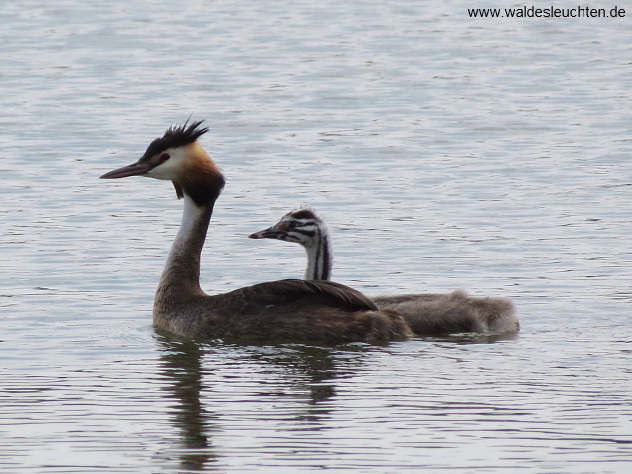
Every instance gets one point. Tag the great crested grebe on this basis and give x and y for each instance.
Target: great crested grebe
(277, 311)
(424, 313)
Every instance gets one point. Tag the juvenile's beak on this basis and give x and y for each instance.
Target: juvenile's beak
(135, 169)
(274, 232)
(263, 234)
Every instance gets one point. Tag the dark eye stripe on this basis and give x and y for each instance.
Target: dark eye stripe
(293, 223)
(308, 233)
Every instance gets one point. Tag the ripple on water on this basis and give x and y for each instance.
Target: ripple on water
(471, 154)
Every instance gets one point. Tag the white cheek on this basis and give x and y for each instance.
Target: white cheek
(162, 171)
(168, 169)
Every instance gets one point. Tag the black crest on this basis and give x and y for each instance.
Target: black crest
(174, 137)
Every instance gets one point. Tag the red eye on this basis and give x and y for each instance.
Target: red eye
(164, 157)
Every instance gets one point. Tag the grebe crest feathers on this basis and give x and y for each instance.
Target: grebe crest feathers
(175, 137)
(179, 157)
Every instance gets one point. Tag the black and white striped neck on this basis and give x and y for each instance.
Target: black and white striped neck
(319, 255)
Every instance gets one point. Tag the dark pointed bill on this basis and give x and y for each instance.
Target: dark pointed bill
(135, 169)
(262, 234)
(269, 233)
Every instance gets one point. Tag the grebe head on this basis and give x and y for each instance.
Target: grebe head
(301, 227)
(179, 157)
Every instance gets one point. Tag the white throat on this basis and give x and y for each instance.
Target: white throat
(191, 214)
(311, 271)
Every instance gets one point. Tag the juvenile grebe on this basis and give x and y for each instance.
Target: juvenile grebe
(277, 311)
(425, 313)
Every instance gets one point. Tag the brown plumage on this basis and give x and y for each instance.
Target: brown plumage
(426, 314)
(280, 311)
(454, 312)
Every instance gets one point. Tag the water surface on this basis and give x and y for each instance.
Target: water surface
(443, 152)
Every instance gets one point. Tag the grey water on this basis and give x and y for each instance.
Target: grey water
(444, 153)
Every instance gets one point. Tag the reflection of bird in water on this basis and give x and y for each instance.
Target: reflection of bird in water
(206, 383)
(425, 313)
(286, 310)
(181, 365)
(311, 368)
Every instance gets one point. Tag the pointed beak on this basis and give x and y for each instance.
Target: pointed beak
(274, 232)
(135, 169)
(263, 234)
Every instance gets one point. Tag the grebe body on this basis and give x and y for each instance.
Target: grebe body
(426, 314)
(291, 310)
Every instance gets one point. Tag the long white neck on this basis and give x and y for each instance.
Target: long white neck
(319, 256)
(181, 275)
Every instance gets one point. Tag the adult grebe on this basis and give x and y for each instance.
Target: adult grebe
(278, 311)
(425, 313)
